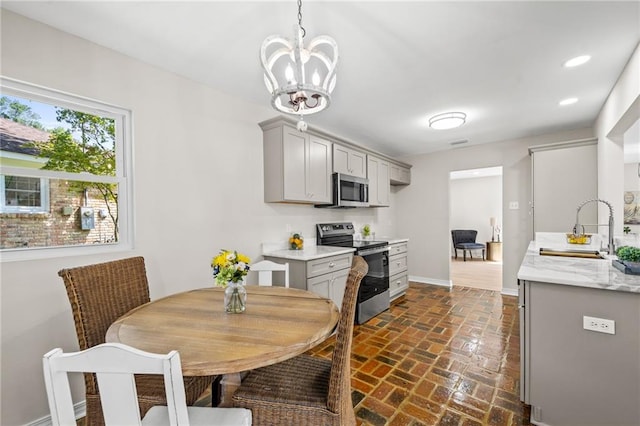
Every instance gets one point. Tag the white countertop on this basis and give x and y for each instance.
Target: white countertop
(393, 240)
(310, 252)
(589, 273)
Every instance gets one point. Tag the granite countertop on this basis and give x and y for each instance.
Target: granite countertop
(589, 273)
(310, 252)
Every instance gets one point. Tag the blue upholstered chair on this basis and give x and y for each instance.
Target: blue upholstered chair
(465, 240)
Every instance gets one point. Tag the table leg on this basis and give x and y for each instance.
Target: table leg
(228, 385)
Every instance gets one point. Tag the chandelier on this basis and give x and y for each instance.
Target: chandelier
(300, 79)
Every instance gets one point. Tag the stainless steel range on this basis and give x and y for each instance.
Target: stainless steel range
(373, 296)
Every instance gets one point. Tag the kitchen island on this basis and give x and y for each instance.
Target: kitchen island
(569, 373)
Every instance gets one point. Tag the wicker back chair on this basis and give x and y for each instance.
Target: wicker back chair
(99, 294)
(307, 390)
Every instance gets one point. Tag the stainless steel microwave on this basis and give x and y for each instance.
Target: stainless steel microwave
(348, 192)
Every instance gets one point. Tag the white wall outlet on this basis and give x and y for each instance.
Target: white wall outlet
(513, 205)
(599, 324)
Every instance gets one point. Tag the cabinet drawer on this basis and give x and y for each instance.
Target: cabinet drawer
(398, 284)
(397, 264)
(328, 264)
(397, 248)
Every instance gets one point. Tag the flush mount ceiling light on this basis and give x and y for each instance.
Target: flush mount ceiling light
(300, 79)
(447, 120)
(578, 60)
(568, 101)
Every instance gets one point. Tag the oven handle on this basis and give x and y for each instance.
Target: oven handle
(367, 252)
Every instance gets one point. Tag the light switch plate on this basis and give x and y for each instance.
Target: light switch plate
(513, 205)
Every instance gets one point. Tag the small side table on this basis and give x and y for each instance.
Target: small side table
(494, 251)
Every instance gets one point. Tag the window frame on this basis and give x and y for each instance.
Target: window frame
(123, 178)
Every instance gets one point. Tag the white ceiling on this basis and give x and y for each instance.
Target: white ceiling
(400, 62)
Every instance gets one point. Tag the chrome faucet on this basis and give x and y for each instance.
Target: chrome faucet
(576, 228)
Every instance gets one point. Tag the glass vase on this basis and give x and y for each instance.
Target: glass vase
(235, 298)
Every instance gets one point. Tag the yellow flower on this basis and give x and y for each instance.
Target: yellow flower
(243, 258)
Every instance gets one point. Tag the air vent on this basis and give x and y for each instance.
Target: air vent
(454, 143)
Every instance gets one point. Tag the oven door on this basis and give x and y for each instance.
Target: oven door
(377, 279)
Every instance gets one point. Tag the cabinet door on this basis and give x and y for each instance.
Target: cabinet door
(358, 164)
(349, 162)
(384, 186)
(341, 159)
(318, 176)
(379, 187)
(320, 285)
(337, 285)
(294, 151)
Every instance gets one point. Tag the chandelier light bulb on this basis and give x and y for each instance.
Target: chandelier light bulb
(315, 79)
(288, 74)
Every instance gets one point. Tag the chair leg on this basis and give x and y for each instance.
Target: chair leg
(455, 251)
(483, 255)
(464, 254)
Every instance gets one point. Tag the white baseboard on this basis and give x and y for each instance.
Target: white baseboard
(80, 410)
(449, 283)
(434, 281)
(509, 291)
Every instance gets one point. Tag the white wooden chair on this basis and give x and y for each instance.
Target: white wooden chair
(115, 365)
(265, 269)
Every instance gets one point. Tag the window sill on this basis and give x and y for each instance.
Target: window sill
(35, 253)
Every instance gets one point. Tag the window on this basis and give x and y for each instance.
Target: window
(24, 194)
(65, 177)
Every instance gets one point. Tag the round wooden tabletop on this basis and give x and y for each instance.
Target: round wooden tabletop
(279, 323)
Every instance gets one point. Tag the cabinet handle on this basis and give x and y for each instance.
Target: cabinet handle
(398, 263)
(331, 264)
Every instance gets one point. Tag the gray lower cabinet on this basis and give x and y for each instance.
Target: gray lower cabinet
(573, 376)
(398, 269)
(326, 276)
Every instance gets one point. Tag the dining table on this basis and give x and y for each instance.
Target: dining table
(279, 323)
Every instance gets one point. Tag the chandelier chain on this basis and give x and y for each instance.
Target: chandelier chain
(304, 32)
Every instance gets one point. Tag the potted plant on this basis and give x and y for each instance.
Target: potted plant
(366, 231)
(628, 260)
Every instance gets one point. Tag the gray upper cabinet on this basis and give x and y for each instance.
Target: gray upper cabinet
(399, 175)
(297, 166)
(349, 161)
(379, 186)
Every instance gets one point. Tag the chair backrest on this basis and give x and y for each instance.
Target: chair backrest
(114, 365)
(339, 395)
(265, 269)
(101, 293)
(463, 236)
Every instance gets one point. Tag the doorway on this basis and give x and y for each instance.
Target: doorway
(475, 203)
